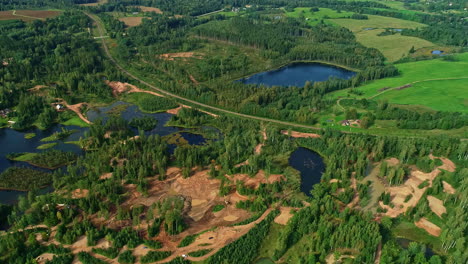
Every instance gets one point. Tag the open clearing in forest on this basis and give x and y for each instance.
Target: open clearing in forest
(27, 15)
(393, 47)
(314, 18)
(428, 226)
(133, 21)
(150, 9)
(438, 84)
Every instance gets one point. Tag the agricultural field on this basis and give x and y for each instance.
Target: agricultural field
(314, 18)
(27, 15)
(443, 90)
(132, 21)
(393, 47)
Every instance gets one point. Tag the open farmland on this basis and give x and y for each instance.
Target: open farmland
(431, 87)
(392, 46)
(132, 21)
(27, 15)
(315, 17)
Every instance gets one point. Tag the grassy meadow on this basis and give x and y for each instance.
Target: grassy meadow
(315, 17)
(438, 84)
(393, 47)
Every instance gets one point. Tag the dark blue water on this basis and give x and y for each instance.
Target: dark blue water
(437, 52)
(297, 74)
(310, 165)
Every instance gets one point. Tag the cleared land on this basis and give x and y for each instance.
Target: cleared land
(150, 9)
(132, 21)
(27, 15)
(438, 84)
(314, 18)
(393, 47)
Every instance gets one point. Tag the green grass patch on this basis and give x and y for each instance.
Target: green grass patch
(187, 240)
(314, 18)
(75, 121)
(410, 231)
(29, 135)
(151, 103)
(393, 47)
(218, 208)
(199, 253)
(268, 247)
(21, 156)
(47, 145)
(58, 135)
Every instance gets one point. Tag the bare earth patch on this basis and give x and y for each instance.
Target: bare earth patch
(105, 176)
(392, 161)
(436, 205)
(296, 134)
(230, 218)
(428, 226)
(258, 148)
(150, 9)
(284, 216)
(80, 193)
(258, 179)
(120, 87)
(133, 21)
(448, 188)
(44, 258)
(172, 56)
(174, 111)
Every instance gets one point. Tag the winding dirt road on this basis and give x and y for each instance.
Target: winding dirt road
(102, 32)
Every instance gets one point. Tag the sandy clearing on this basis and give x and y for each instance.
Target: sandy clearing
(296, 134)
(230, 218)
(120, 87)
(44, 258)
(258, 179)
(37, 88)
(258, 148)
(79, 193)
(242, 164)
(149, 9)
(75, 108)
(447, 164)
(174, 111)
(172, 56)
(284, 216)
(392, 161)
(196, 202)
(428, 226)
(105, 176)
(133, 21)
(436, 205)
(448, 188)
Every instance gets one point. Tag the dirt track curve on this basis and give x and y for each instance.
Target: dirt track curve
(166, 93)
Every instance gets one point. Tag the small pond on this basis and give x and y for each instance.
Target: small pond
(297, 74)
(437, 52)
(403, 242)
(310, 165)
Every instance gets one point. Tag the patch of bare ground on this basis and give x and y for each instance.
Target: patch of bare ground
(105, 176)
(430, 227)
(37, 88)
(194, 81)
(174, 111)
(44, 258)
(75, 108)
(79, 193)
(133, 21)
(258, 179)
(258, 148)
(448, 188)
(120, 87)
(392, 161)
(185, 55)
(150, 9)
(296, 134)
(410, 188)
(436, 205)
(285, 215)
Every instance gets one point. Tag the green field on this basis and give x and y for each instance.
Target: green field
(432, 85)
(315, 17)
(393, 47)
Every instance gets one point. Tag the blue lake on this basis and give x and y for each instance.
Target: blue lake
(297, 74)
(310, 165)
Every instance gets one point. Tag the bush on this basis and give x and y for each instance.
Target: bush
(154, 256)
(126, 257)
(187, 240)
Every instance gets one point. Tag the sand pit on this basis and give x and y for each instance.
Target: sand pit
(428, 226)
(120, 87)
(436, 205)
(174, 111)
(258, 179)
(196, 202)
(185, 55)
(392, 161)
(284, 216)
(411, 187)
(230, 218)
(105, 176)
(133, 21)
(258, 148)
(448, 188)
(37, 88)
(44, 258)
(80, 193)
(295, 134)
(150, 9)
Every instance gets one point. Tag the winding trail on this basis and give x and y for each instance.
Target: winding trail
(102, 32)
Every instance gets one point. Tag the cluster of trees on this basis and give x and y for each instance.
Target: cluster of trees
(21, 178)
(52, 159)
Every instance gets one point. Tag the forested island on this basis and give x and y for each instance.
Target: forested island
(233, 131)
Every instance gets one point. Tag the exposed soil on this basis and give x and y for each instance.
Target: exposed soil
(428, 226)
(448, 188)
(174, 111)
(120, 87)
(410, 187)
(105, 176)
(133, 21)
(150, 9)
(296, 134)
(75, 108)
(27, 15)
(172, 56)
(258, 179)
(285, 215)
(80, 193)
(258, 148)
(37, 88)
(44, 258)
(436, 205)
(392, 161)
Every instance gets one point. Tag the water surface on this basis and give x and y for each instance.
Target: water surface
(310, 165)
(297, 74)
